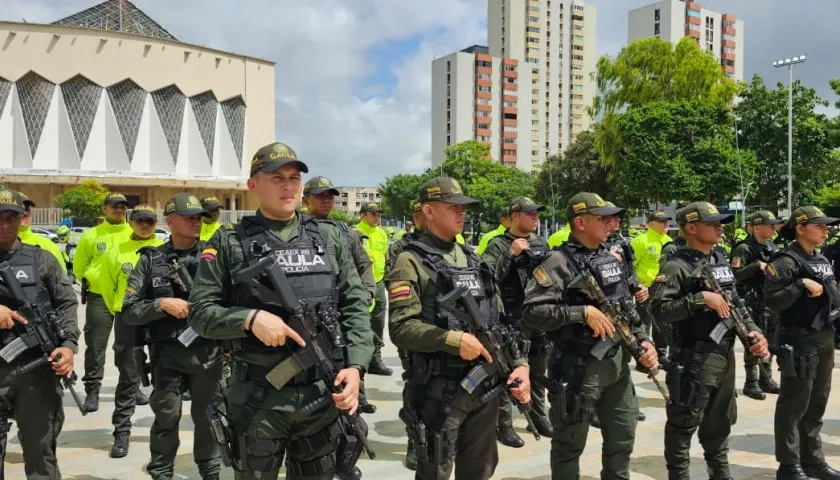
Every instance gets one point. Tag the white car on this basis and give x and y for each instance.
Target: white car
(46, 232)
(162, 234)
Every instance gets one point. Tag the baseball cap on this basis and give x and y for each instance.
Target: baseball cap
(446, 190)
(370, 207)
(210, 203)
(274, 156)
(184, 204)
(811, 214)
(763, 217)
(590, 203)
(658, 216)
(143, 211)
(27, 202)
(319, 185)
(11, 201)
(416, 206)
(115, 198)
(524, 204)
(703, 212)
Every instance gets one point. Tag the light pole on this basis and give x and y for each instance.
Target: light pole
(789, 63)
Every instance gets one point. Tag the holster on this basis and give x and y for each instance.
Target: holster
(223, 434)
(682, 380)
(574, 406)
(798, 363)
(349, 447)
(432, 447)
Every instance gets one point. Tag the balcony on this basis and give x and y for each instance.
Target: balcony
(509, 160)
(511, 86)
(483, 56)
(727, 44)
(510, 74)
(483, 83)
(729, 69)
(692, 20)
(510, 61)
(728, 17)
(692, 33)
(483, 120)
(481, 132)
(485, 70)
(728, 31)
(484, 95)
(509, 98)
(693, 6)
(483, 108)
(511, 110)
(509, 122)
(507, 134)
(727, 56)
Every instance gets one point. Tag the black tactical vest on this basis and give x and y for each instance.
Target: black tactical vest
(479, 281)
(761, 253)
(162, 285)
(24, 262)
(513, 285)
(805, 309)
(700, 325)
(309, 270)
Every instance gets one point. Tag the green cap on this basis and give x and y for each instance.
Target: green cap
(524, 204)
(370, 207)
(11, 201)
(210, 203)
(590, 203)
(184, 204)
(446, 190)
(319, 185)
(416, 206)
(658, 216)
(703, 212)
(273, 157)
(763, 217)
(115, 198)
(143, 211)
(811, 214)
(27, 203)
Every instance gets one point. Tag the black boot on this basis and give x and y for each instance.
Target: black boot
(120, 448)
(507, 437)
(823, 472)
(790, 472)
(751, 388)
(410, 461)
(92, 402)
(642, 417)
(353, 474)
(765, 379)
(544, 427)
(379, 368)
(214, 476)
(366, 407)
(140, 398)
(595, 422)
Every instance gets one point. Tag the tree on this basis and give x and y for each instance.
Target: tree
(342, 216)
(399, 191)
(834, 126)
(650, 70)
(84, 200)
(578, 169)
(762, 117)
(682, 151)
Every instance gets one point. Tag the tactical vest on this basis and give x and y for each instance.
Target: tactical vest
(345, 230)
(513, 285)
(700, 325)
(24, 262)
(477, 278)
(161, 285)
(805, 309)
(761, 253)
(309, 270)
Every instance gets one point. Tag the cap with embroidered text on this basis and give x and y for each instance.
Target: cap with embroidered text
(275, 156)
(143, 212)
(525, 205)
(658, 216)
(702, 212)
(319, 185)
(763, 217)
(446, 190)
(810, 214)
(370, 207)
(589, 203)
(115, 198)
(11, 201)
(210, 203)
(184, 204)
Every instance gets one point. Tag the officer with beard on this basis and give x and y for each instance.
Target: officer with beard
(512, 258)
(269, 419)
(556, 304)
(453, 424)
(800, 287)
(156, 302)
(701, 379)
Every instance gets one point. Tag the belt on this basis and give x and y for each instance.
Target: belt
(256, 373)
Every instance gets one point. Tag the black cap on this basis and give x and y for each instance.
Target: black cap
(658, 216)
(143, 211)
(115, 198)
(763, 217)
(11, 201)
(184, 204)
(702, 212)
(811, 214)
(590, 203)
(524, 204)
(210, 203)
(370, 207)
(273, 157)
(319, 185)
(446, 190)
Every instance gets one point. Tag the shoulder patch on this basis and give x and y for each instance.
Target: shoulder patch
(542, 277)
(660, 279)
(770, 270)
(126, 267)
(399, 291)
(101, 246)
(652, 249)
(209, 254)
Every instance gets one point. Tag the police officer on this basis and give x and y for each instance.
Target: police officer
(210, 224)
(261, 333)
(409, 228)
(512, 258)
(395, 248)
(701, 379)
(116, 267)
(28, 237)
(441, 349)
(156, 302)
(34, 398)
(504, 223)
(800, 287)
(555, 304)
(560, 236)
(93, 245)
(376, 246)
(749, 261)
(319, 198)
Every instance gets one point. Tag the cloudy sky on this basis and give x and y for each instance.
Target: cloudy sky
(354, 76)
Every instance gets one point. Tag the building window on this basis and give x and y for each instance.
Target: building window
(656, 28)
(482, 88)
(532, 29)
(448, 66)
(448, 78)
(656, 15)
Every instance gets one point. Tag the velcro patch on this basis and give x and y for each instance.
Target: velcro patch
(209, 254)
(542, 277)
(129, 292)
(399, 291)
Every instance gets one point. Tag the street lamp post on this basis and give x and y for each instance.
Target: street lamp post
(789, 63)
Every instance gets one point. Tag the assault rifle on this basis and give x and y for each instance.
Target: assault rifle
(318, 350)
(500, 343)
(181, 277)
(618, 317)
(39, 332)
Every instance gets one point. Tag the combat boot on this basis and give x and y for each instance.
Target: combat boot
(508, 437)
(822, 471)
(120, 447)
(790, 472)
(353, 474)
(140, 398)
(765, 380)
(366, 407)
(377, 367)
(544, 427)
(92, 402)
(751, 388)
(410, 461)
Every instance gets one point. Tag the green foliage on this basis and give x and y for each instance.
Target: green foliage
(828, 197)
(834, 124)
(652, 70)
(763, 125)
(679, 150)
(398, 192)
(342, 216)
(84, 200)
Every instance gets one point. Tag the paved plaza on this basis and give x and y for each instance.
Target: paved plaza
(85, 441)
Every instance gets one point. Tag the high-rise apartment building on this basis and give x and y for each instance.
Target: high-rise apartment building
(554, 40)
(671, 20)
(476, 96)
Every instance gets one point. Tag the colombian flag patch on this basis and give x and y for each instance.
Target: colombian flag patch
(541, 276)
(399, 292)
(209, 254)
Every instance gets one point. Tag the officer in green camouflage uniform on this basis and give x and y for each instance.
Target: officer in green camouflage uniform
(556, 304)
(455, 426)
(512, 257)
(271, 422)
(749, 259)
(319, 197)
(798, 287)
(33, 399)
(156, 302)
(701, 376)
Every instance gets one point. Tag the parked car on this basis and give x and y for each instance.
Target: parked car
(76, 234)
(162, 233)
(46, 232)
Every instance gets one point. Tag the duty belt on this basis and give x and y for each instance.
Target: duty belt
(256, 373)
